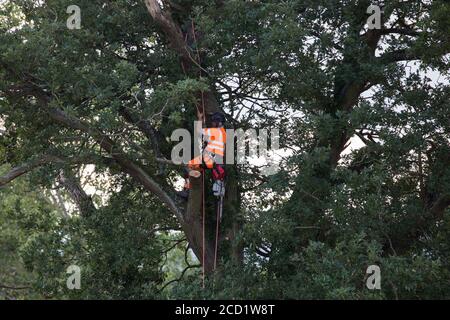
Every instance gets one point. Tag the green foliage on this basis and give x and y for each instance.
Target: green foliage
(24, 213)
(306, 67)
(100, 246)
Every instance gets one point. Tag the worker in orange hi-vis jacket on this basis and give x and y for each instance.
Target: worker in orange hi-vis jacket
(214, 141)
(213, 148)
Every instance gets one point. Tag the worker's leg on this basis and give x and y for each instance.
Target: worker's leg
(195, 163)
(195, 166)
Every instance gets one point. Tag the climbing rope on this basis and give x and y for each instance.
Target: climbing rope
(203, 174)
(203, 205)
(203, 230)
(220, 204)
(218, 215)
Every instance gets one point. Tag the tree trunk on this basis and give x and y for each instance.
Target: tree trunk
(182, 40)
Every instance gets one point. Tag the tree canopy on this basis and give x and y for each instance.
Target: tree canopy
(363, 179)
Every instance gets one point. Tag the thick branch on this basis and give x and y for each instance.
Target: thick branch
(2, 286)
(190, 62)
(397, 56)
(145, 127)
(78, 195)
(168, 26)
(27, 167)
(403, 31)
(127, 165)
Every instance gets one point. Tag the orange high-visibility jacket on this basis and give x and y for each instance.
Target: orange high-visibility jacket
(216, 138)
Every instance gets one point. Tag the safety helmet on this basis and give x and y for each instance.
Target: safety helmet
(218, 117)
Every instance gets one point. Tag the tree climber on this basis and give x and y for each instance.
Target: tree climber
(213, 145)
(212, 153)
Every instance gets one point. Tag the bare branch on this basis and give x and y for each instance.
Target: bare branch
(262, 253)
(403, 31)
(397, 56)
(180, 278)
(145, 127)
(2, 286)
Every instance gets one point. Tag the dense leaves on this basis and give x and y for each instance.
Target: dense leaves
(364, 173)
